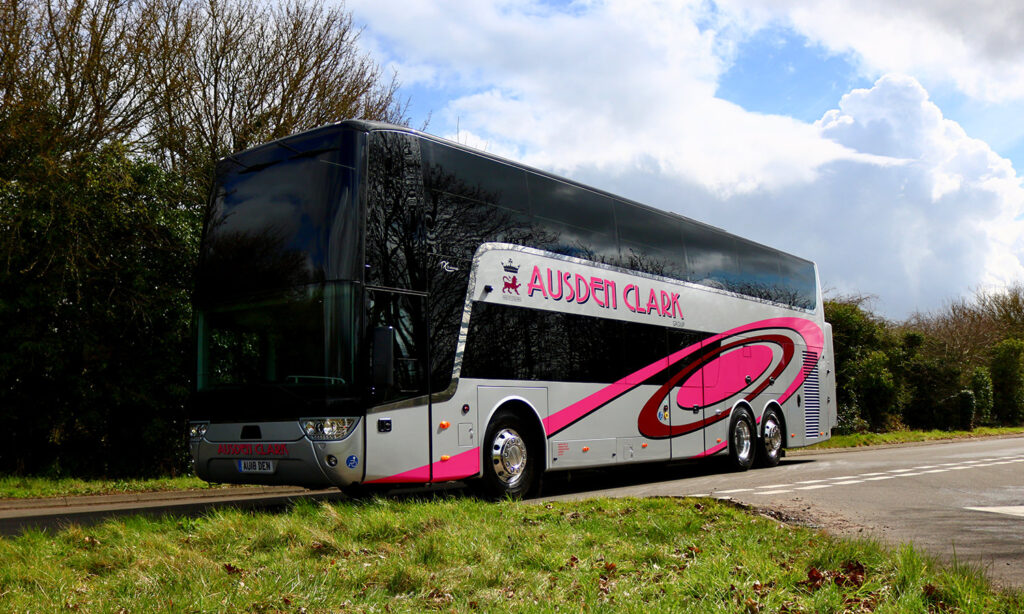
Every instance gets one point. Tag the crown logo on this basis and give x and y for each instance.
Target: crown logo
(509, 267)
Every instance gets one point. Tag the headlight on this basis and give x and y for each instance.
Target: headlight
(197, 430)
(325, 429)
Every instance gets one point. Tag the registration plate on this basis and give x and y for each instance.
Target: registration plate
(256, 466)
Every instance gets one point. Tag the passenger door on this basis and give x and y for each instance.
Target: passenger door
(686, 397)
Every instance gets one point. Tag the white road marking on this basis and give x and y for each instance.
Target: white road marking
(846, 480)
(1011, 510)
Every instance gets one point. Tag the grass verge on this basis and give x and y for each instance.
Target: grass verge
(856, 440)
(15, 487)
(459, 555)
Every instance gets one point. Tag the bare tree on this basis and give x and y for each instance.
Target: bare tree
(229, 74)
(80, 64)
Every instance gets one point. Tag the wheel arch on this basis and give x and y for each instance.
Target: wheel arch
(773, 405)
(531, 418)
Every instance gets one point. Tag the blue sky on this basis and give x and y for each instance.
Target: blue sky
(880, 140)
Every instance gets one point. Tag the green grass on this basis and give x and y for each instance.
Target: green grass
(14, 487)
(873, 439)
(462, 555)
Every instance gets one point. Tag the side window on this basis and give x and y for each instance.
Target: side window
(800, 285)
(405, 313)
(581, 223)
(650, 241)
(395, 234)
(456, 172)
(534, 344)
(759, 272)
(710, 256)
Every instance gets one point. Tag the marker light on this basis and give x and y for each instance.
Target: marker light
(329, 429)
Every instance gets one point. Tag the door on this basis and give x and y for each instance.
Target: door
(685, 402)
(398, 426)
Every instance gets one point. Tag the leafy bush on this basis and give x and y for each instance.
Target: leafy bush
(1008, 381)
(981, 386)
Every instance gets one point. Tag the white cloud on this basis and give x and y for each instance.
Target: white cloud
(977, 45)
(610, 85)
(890, 197)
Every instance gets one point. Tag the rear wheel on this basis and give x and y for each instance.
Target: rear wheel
(770, 446)
(742, 440)
(511, 458)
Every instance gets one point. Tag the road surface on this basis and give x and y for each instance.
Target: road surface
(962, 499)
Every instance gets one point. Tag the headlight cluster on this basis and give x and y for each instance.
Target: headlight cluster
(325, 429)
(197, 430)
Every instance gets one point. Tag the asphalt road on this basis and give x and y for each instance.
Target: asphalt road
(962, 500)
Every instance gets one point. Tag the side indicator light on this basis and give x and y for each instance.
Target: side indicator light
(792, 434)
(643, 445)
(445, 424)
(445, 457)
(586, 448)
(719, 441)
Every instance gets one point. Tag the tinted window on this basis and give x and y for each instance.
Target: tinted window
(650, 241)
(475, 177)
(404, 313)
(532, 344)
(758, 275)
(456, 226)
(710, 256)
(571, 205)
(282, 215)
(799, 281)
(395, 233)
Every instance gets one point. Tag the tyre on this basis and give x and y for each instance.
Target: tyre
(769, 449)
(742, 440)
(512, 460)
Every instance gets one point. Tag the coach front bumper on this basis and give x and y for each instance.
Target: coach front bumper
(296, 459)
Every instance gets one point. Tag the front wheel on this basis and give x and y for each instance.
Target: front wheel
(770, 449)
(742, 439)
(511, 459)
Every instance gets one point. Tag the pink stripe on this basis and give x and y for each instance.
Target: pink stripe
(462, 465)
(710, 451)
(808, 330)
